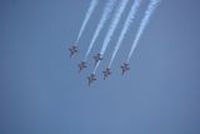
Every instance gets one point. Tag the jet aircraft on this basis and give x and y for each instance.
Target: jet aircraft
(97, 58)
(91, 79)
(125, 67)
(73, 49)
(106, 73)
(82, 65)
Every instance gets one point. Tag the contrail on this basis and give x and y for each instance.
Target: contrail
(112, 28)
(91, 8)
(107, 11)
(150, 10)
(128, 22)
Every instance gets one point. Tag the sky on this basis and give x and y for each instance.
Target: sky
(41, 91)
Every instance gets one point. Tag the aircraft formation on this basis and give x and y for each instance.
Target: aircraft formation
(117, 8)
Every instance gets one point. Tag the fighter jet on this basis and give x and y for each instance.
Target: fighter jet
(106, 73)
(82, 65)
(91, 79)
(97, 58)
(73, 49)
(125, 67)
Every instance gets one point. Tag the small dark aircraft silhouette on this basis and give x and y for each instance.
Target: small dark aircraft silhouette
(125, 67)
(82, 65)
(97, 58)
(73, 50)
(91, 79)
(106, 73)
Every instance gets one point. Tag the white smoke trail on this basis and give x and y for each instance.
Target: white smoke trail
(112, 27)
(128, 21)
(95, 69)
(150, 10)
(91, 8)
(107, 11)
(114, 24)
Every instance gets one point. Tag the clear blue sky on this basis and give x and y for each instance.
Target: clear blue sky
(42, 93)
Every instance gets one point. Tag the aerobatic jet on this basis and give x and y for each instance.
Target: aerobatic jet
(82, 65)
(125, 67)
(91, 79)
(106, 73)
(97, 58)
(73, 49)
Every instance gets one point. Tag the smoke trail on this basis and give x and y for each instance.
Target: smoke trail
(97, 65)
(108, 9)
(93, 4)
(114, 24)
(128, 21)
(150, 10)
(112, 28)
